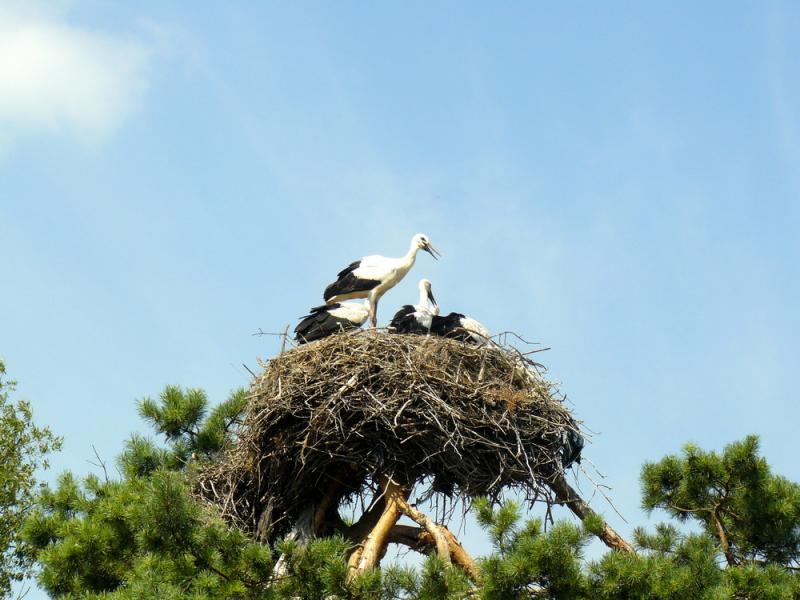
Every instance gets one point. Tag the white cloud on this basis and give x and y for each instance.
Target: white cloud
(62, 78)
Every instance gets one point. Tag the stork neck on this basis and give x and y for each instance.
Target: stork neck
(411, 255)
(423, 297)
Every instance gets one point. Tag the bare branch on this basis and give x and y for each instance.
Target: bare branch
(569, 497)
(99, 463)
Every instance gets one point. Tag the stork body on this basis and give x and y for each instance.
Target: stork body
(372, 276)
(328, 319)
(460, 327)
(416, 318)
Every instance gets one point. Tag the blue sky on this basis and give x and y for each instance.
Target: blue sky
(617, 182)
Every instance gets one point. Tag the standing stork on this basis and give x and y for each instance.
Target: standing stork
(372, 276)
(328, 319)
(416, 318)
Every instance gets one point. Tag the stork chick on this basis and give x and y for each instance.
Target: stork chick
(416, 318)
(328, 319)
(460, 327)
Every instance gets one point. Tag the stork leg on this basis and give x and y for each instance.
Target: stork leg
(373, 312)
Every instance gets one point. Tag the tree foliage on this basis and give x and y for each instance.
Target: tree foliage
(23, 449)
(753, 515)
(144, 535)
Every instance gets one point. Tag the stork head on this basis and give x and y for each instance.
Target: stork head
(422, 242)
(425, 291)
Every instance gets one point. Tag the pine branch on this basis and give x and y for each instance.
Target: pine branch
(723, 538)
(566, 495)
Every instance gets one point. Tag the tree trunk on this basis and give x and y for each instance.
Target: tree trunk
(368, 554)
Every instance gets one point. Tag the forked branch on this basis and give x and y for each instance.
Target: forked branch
(448, 548)
(368, 554)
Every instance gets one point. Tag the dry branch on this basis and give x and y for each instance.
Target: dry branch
(327, 419)
(566, 495)
(448, 548)
(441, 542)
(420, 540)
(439, 415)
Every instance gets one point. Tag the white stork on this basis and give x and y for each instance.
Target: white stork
(416, 318)
(328, 319)
(460, 327)
(372, 276)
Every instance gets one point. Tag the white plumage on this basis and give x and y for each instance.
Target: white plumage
(372, 276)
(416, 318)
(328, 319)
(461, 327)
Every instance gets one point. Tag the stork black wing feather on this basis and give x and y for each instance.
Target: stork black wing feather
(323, 308)
(448, 325)
(320, 323)
(349, 283)
(405, 322)
(349, 268)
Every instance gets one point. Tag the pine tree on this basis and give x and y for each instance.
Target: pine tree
(748, 515)
(751, 513)
(23, 450)
(145, 535)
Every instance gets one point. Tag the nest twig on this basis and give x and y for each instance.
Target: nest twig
(465, 421)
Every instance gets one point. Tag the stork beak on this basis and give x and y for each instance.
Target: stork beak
(431, 298)
(432, 251)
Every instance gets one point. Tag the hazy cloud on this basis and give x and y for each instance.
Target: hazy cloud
(63, 78)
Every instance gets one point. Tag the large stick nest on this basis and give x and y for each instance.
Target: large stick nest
(459, 419)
